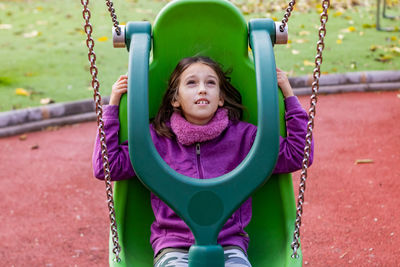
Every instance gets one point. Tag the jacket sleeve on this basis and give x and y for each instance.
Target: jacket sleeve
(291, 148)
(118, 154)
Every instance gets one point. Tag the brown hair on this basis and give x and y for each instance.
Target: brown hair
(231, 96)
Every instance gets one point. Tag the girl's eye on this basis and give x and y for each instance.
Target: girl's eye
(190, 82)
(212, 82)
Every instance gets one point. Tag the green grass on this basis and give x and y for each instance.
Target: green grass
(352, 43)
(53, 64)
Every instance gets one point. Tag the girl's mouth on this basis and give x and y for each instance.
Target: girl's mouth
(202, 102)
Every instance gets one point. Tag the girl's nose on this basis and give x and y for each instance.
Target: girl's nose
(202, 88)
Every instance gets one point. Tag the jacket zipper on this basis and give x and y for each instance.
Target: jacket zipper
(201, 176)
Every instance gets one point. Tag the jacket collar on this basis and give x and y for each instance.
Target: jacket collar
(188, 133)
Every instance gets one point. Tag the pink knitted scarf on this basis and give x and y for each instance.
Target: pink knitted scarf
(188, 133)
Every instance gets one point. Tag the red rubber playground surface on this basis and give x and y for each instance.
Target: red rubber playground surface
(53, 212)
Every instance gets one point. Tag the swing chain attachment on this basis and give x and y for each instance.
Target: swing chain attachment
(100, 123)
(285, 19)
(310, 126)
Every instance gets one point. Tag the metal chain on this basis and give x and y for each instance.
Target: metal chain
(100, 123)
(111, 9)
(285, 19)
(310, 126)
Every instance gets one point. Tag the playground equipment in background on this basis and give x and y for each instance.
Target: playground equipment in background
(217, 29)
(384, 15)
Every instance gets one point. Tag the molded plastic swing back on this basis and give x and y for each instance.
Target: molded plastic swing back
(187, 28)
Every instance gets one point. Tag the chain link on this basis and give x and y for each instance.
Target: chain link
(310, 126)
(100, 123)
(288, 12)
(111, 9)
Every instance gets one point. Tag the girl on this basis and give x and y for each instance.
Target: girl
(197, 125)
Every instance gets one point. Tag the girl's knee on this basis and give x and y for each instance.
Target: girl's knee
(236, 258)
(176, 259)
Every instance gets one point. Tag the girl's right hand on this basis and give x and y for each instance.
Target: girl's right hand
(283, 83)
(119, 88)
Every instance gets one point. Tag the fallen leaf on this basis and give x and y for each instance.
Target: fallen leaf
(46, 101)
(41, 22)
(52, 128)
(304, 33)
(23, 137)
(31, 34)
(79, 30)
(384, 58)
(373, 48)
(5, 26)
(295, 52)
(32, 91)
(363, 161)
(36, 146)
(28, 74)
(308, 63)
(395, 50)
(319, 8)
(301, 41)
(342, 256)
(368, 26)
(393, 38)
(244, 9)
(339, 41)
(22, 92)
(351, 29)
(338, 14)
(144, 11)
(102, 39)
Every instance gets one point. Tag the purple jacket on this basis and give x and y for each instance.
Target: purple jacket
(228, 149)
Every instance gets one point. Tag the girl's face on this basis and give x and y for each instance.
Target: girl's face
(198, 94)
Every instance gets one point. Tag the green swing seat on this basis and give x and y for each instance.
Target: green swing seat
(217, 29)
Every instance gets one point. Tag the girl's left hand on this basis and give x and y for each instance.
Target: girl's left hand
(283, 83)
